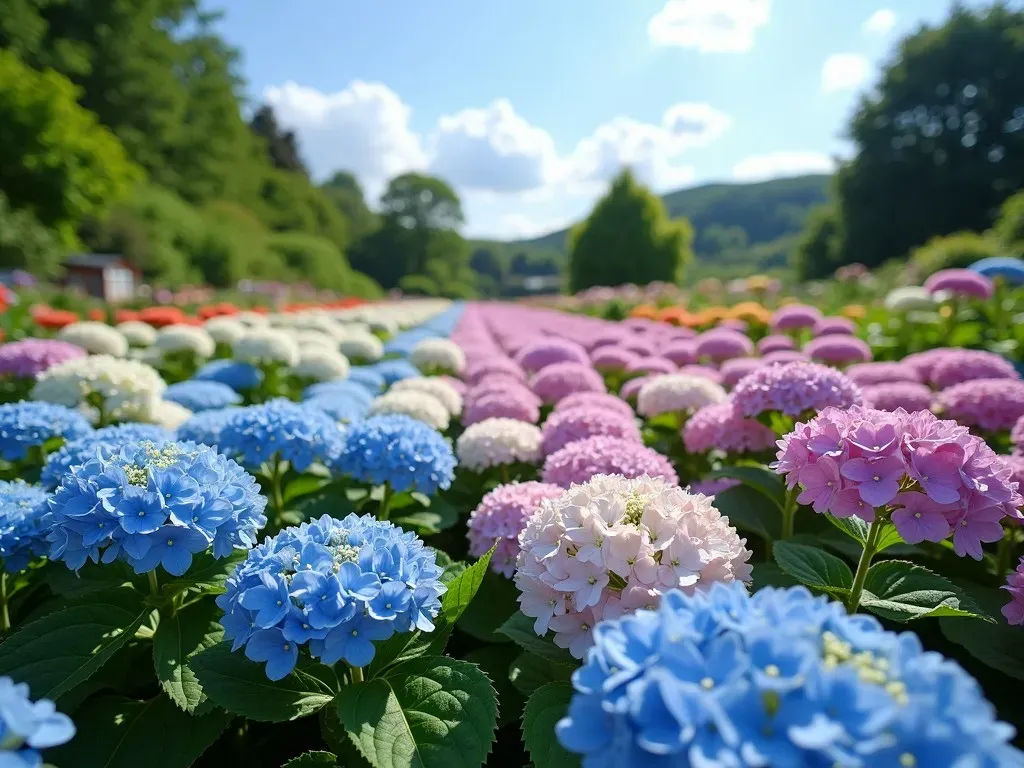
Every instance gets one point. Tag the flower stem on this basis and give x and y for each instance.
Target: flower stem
(277, 493)
(154, 585)
(870, 548)
(789, 513)
(503, 473)
(5, 615)
(357, 674)
(1004, 556)
(385, 503)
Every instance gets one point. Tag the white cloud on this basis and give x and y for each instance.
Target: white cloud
(363, 128)
(880, 22)
(710, 26)
(844, 72)
(493, 149)
(652, 151)
(780, 164)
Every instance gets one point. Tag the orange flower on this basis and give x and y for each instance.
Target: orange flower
(54, 319)
(125, 315)
(854, 311)
(159, 317)
(750, 311)
(97, 315)
(647, 311)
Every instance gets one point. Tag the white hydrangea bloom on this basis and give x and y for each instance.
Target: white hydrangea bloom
(309, 338)
(137, 333)
(321, 364)
(251, 319)
(676, 393)
(418, 405)
(168, 415)
(438, 356)
(909, 298)
(496, 442)
(267, 345)
(225, 330)
(432, 385)
(95, 338)
(127, 390)
(361, 346)
(185, 338)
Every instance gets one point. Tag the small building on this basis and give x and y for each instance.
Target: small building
(105, 276)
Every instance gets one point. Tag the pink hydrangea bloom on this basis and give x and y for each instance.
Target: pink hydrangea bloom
(596, 399)
(960, 282)
(703, 371)
(559, 380)
(1017, 436)
(612, 358)
(794, 389)
(989, 404)
(499, 385)
(924, 362)
(838, 349)
(500, 517)
(631, 389)
(548, 351)
(581, 422)
(613, 545)
(908, 395)
(579, 461)
(721, 427)
(723, 344)
(494, 365)
(793, 317)
(960, 365)
(785, 356)
(30, 357)
(501, 406)
(870, 374)
(934, 477)
(776, 343)
(828, 326)
(681, 352)
(1014, 610)
(651, 365)
(734, 370)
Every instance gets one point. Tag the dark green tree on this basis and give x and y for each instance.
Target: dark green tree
(486, 263)
(27, 244)
(345, 192)
(817, 253)
(282, 146)
(628, 238)
(1009, 228)
(940, 144)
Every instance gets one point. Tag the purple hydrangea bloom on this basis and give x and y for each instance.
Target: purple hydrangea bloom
(579, 461)
(703, 371)
(497, 364)
(924, 362)
(776, 343)
(564, 427)
(651, 365)
(723, 344)
(932, 476)
(960, 365)
(828, 326)
(721, 427)
(785, 356)
(631, 389)
(597, 400)
(960, 282)
(30, 357)
(870, 374)
(612, 358)
(734, 370)
(500, 516)
(794, 389)
(793, 317)
(681, 352)
(559, 380)
(909, 395)
(501, 406)
(838, 349)
(548, 351)
(989, 404)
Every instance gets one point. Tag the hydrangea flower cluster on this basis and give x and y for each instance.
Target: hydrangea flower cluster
(28, 358)
(238, 376)
(500, 516)
(125, 390)
(204, 427)
(775, 343)
(909, 298)
(734, 370)
(108, 439)
(95, 338)
(681, 352)
(498, 442)
(960, 282)
(778, 678)
(677, 393)
(794, 389)
(989, 404)
(795, 317)
(959, 365)
(579, 461)
(438, 356)
(564, 427)
(176, 339)
(333, 585)
(495, 364)
(723, 344)
(340, 407)
(544, 352)
(137, 333)
(437, 388)
(23, 527)
(224, 330)
(202, 395)
(837, 349)
(721, 427)
(501, 406)
(154, 504)
(595, 400)
(28, 425)
(834, 325)
(394, 371)
(27, 727)
(908, 395)
(934, 476)
(266, 346)
(1013, 611)
(367, 378)
(649, 365)
(321, 364)
(281, 430)
(610, 359)
(613, 545)
(873, 374)
(419, 405)
(559, 380)
(397, 450)
(361, 346)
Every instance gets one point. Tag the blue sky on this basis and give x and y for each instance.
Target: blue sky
(528, 107)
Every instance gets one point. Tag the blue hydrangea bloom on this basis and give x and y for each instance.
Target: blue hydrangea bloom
(23, 525)
(204, 427)
(339, 407)
(108, 439)
(154, 504)
(365, 376)
(338, 388)
(239, 376)
(396, 370)
(336, 585)
(200, 396)
(398, 450)
(27, 727)
(779, 679)
(30, 424)
(282, 430)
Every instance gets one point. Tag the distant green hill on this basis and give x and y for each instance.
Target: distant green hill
(740, 228)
